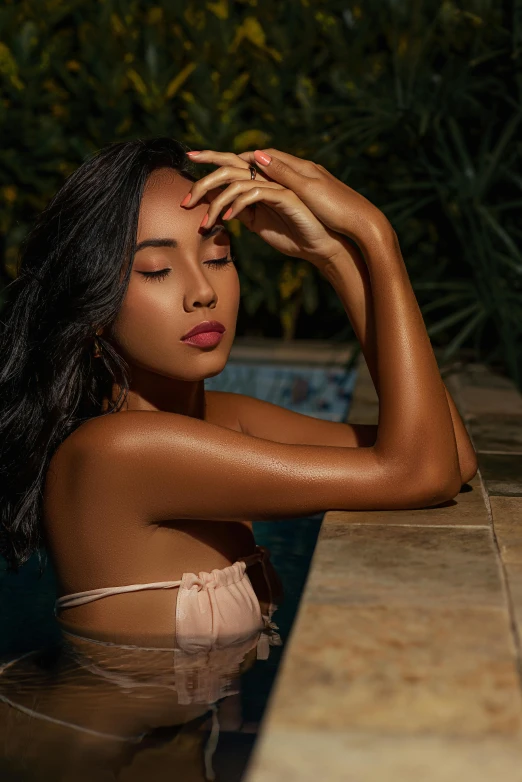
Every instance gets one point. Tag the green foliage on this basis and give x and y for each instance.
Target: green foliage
(414, 103)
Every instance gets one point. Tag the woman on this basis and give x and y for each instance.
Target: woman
(130, 256)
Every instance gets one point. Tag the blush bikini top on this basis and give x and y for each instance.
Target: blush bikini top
(213, 609)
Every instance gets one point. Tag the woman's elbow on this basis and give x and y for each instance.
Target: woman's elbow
(468, 465)
(434, 490)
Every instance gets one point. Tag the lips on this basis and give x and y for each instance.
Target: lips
(206, 325)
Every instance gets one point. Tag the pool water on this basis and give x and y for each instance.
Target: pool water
(28, 751)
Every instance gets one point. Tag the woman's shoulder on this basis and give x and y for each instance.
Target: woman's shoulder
(82, 457)
(99, 437)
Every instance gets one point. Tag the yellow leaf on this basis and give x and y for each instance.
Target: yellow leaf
(58, 110)
(195, 18)
(275, 54)
(139, 84)
(251, 139)
(117, 25)
(233, 92)
(179, 80)
(155, 15)
(290, 279)
(252, 31)
(73, 65)
(124, 126)
(220, 8)
(10, 193)
(234, 226)
(474, 19)
(9, 67)
(11, 267)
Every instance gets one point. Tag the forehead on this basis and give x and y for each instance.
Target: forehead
(160, 208)
(164, 183)
(161, 215)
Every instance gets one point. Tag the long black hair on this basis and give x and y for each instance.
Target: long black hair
(72, 277)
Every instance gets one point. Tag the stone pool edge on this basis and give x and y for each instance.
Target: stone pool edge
(404, 660)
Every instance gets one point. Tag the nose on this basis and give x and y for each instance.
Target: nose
(198, 291)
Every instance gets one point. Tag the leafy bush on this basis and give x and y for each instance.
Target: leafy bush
(415, 103)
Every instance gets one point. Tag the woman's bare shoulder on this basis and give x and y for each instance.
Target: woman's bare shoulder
(83, 454)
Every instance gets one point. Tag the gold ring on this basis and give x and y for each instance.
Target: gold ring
(253, 172)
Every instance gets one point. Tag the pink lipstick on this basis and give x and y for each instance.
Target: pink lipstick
(205, 334)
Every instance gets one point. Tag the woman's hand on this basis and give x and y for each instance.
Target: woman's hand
(337, 205)
(303, 210)
(267, 208)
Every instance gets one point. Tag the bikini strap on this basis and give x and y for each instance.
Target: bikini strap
(79, 598)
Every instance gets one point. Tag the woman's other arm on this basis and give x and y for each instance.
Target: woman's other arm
(351, 279)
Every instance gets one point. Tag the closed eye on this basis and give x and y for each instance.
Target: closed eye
(218, 263)
(160, 275)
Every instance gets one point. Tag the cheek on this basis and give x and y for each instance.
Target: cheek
(233, 291)
(147, 318)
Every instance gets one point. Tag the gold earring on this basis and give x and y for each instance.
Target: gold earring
(97, 347)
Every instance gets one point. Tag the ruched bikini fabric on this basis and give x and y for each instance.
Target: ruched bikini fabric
(214, 609)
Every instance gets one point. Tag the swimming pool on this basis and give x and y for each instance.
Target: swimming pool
(210, 746)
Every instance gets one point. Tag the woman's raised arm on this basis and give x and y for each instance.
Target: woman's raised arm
(170, 466)
(174, 466)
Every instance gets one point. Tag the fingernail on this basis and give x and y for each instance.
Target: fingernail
(262, 157)
(227, 214)
(194, 152)
(186, 199)
(204, 221)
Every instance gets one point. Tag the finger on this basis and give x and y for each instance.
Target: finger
(261, 193)
(228, 196)
(219, 158)
(284, 173)
(299, 164)
(223, 175)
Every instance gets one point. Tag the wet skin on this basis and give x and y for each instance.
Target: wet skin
(168, 374)
(136, 498)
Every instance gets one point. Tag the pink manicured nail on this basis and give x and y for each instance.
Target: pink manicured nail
(186, 199)
(262, 157)
(204, 221)
(227, 214)
(194, 152)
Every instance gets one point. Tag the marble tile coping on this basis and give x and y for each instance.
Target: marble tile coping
(313, 352)
(404, 660)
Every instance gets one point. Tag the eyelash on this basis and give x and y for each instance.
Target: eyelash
(219, 263)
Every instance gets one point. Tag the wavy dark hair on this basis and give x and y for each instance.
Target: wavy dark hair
(72, 276)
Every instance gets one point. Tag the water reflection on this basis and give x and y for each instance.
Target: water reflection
(86, 709)
(70, 681)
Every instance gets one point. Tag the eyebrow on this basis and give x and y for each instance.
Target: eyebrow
(218, 228)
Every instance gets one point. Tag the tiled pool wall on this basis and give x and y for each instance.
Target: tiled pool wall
(306, 378)
(404, 662)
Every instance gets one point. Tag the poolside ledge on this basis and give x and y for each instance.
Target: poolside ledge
(404, 660)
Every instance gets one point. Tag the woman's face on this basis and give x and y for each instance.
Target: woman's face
(158, 312)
